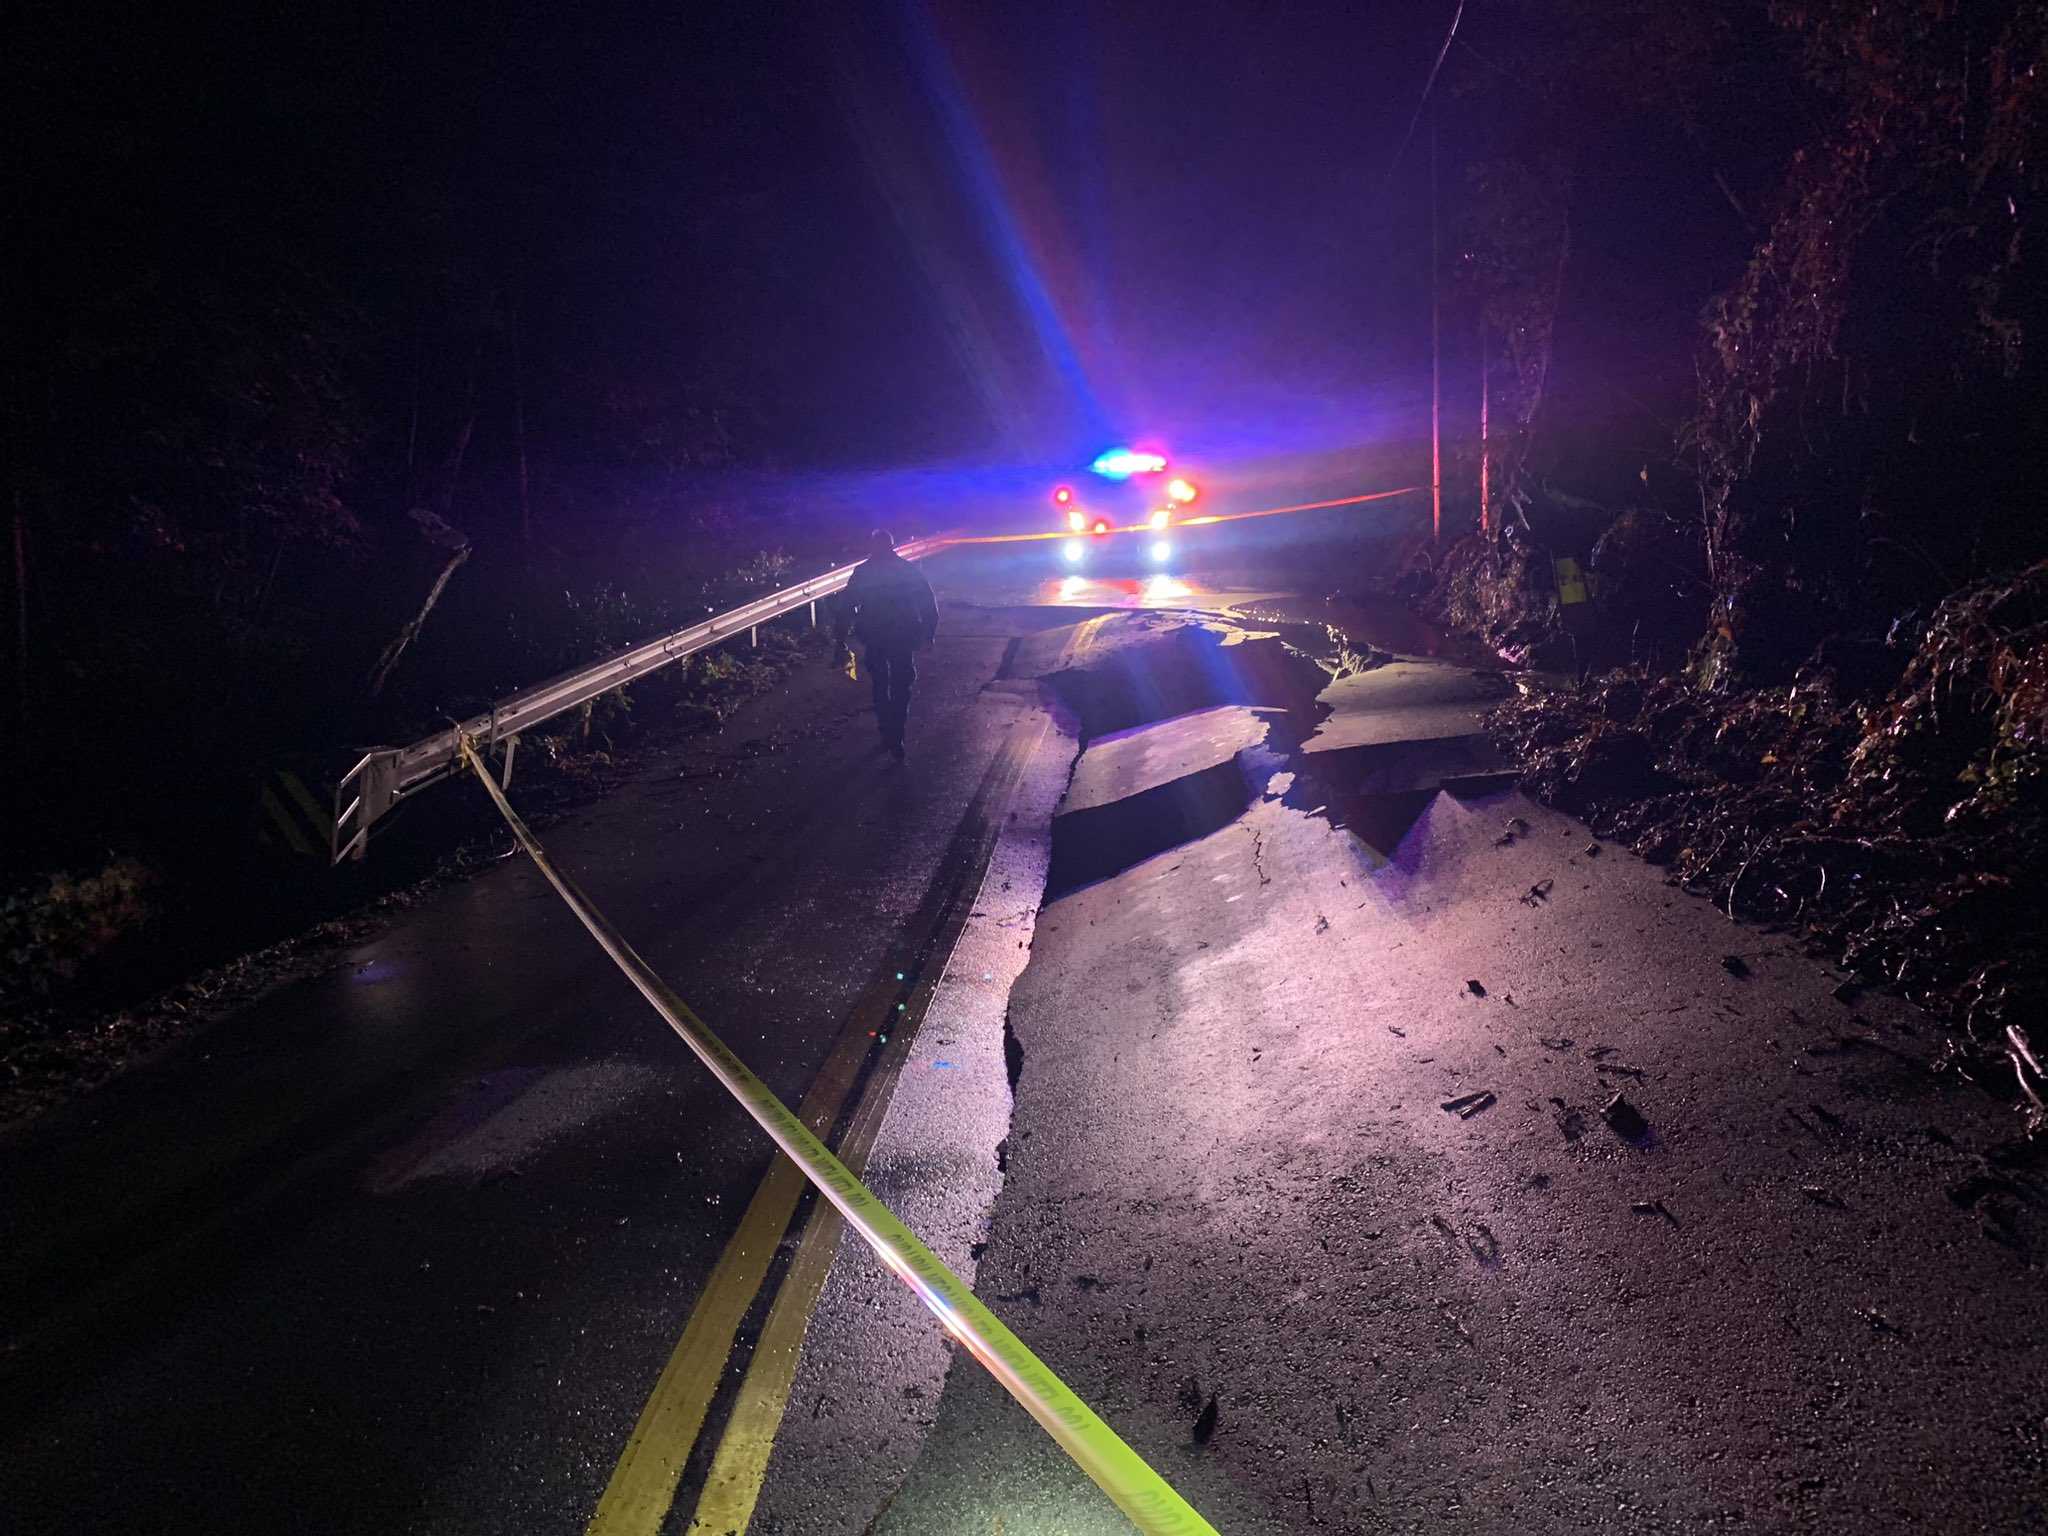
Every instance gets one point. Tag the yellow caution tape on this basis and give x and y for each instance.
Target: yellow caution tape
(1204, 520)
(1119, 1471)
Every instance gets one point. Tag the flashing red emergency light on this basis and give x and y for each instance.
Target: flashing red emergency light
(1063, 495)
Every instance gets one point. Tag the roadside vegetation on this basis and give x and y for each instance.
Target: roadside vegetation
(1759, 311)
(317, 436)
(100, 967)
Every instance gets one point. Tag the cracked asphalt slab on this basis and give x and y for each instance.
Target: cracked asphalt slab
(1310, 1184)
(1314, 1191)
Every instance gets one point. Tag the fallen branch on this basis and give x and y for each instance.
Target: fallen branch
(438, 532)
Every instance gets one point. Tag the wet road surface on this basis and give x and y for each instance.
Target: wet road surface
(407, 1245)
(424, 1244)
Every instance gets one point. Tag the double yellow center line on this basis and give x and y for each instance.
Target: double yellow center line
(643, 1483)
(642, 1488)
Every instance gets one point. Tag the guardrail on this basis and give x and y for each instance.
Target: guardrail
(384, 776)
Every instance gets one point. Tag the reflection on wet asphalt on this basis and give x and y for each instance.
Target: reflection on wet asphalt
(408, 1243)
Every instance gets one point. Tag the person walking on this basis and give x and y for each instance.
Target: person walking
(889, 607)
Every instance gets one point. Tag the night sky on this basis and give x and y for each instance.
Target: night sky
(898, 233)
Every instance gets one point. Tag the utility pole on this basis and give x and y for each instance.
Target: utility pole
(519, 423)
(1436, 361)
(1485, 448)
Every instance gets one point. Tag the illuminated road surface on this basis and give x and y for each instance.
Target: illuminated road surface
(1310, 1059)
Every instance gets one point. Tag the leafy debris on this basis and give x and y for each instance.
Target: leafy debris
(1892, 817)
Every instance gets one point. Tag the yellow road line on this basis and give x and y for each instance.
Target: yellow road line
(740, 1464)
(642, 1488)
(739, 1467)
(1150, 1502)
(643, 1484)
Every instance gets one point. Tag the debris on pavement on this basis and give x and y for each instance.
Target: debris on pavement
(1890, 813)
(1820, 1196)
(1205, 1426)
(1470, 1104)
(1538, 893)
(1879, 1323)
(1625, 1119)
(1570, 1123)
(2026, 1067)
(1653, 1208)
(1735, 965)
(1475, 989)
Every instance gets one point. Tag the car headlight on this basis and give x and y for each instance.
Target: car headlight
(1161, 552)
(1077, 521)
(1161, 520)
(1074, 550)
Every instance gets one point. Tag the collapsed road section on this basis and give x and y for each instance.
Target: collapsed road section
(1388, 1151)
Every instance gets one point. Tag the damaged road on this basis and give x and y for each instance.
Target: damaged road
(1368, 1145)
(1390, 1154)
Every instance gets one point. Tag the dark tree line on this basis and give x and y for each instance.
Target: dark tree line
(346, 353)
(1762, 273)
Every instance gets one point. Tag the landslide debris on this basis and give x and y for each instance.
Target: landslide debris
(1890, 805)
(1505, 595)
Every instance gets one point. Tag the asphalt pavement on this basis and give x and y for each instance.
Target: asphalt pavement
(1280, 1130)
(1395, 1156)
(407, 1245)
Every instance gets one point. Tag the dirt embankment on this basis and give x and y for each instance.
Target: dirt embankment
(1890, 805)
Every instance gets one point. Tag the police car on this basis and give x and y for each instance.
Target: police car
(1129, 507)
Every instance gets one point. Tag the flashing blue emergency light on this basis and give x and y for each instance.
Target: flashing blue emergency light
(1122, 463)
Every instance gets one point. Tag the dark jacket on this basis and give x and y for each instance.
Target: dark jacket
(889, 605)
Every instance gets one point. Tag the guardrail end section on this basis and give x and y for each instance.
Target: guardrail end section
(364, 794)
